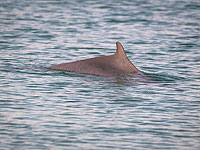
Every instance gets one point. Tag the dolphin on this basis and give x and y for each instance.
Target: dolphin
(109, 65)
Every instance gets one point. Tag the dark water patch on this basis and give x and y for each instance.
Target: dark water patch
(155, 54)
(4, 42)
(27, 69)
(126, 21)
(139, 42)
(27, 29)
(193, 24)
(26, 19)
(45, 36)
(174, 49)
(150, 69)
(187, 37)
(11, 36)
(163, 77)
(192, 6)
(188, 45)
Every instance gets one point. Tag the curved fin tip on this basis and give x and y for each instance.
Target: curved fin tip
(120, 49)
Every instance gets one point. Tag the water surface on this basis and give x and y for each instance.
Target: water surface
(43, 109)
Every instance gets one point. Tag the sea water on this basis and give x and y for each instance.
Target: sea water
(44, 109)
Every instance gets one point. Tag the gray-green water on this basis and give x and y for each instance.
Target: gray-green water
(43, 109)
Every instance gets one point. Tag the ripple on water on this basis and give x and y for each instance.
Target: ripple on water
(44, 109)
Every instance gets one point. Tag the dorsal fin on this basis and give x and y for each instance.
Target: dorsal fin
(110, 65)
(120, 50)
(124, 61)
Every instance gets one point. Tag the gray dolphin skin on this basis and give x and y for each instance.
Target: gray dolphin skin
(110, 65)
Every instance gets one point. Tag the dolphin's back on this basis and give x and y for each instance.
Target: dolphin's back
(110, 65)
